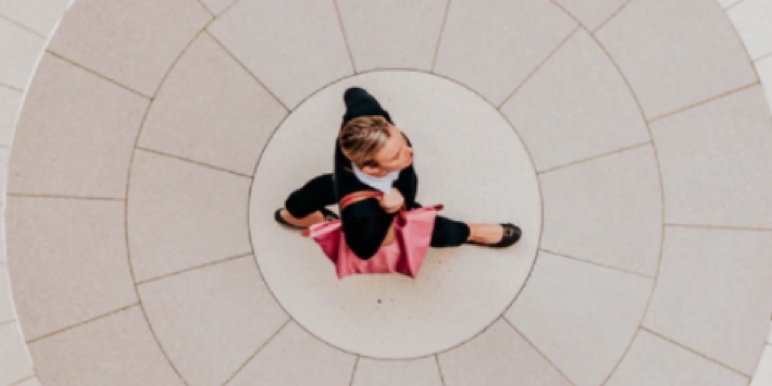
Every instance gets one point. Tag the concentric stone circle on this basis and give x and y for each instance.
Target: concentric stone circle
(129, 226)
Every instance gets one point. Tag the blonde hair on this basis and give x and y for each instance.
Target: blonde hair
(360, 138)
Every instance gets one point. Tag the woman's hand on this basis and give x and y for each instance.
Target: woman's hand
(393, 201)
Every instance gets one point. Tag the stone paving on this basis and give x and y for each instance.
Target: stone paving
(147, 143)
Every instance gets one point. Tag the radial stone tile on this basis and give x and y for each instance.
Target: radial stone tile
(492, 45)
(117, 350)
(68, 261)
(716, 160)
(310, 359)
(581, 316)
(132, 42)
(712, 293)
(210, 320)
(13, 355)
(418, 372)
(393, 34)
(20, 49)
(752, 20)
(498, 357)
(182, 215)
(575, 106)
(75, 135)
(591, 13)
(7, 311)
(211, 110)
(392, 316)
(654, 361)
(676, 53)
(608, 210)
(39, 15)
(303, 40)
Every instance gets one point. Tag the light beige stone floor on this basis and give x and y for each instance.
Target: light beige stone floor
(145, 144)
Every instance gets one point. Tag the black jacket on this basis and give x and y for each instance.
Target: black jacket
(365, 223)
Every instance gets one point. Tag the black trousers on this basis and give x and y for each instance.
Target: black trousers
(320, 192)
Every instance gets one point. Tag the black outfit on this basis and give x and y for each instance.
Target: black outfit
(365, 223)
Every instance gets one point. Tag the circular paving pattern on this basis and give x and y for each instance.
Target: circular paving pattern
(158, 138)
(389, 316)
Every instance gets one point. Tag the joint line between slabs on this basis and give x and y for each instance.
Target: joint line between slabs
(762, 57)
(24, 27)
(606, 266)
(439, 369)
(132, 158)
(517, 331)
(63, 197)
(10, 87)
(209, 11)
(611, 17)
(19, 382)
(82, 323)
(718, 227)
(732, 6)
(193, 268)
(194, 162)
(539, 66)
(345, 36)
(228, 8)
(97, 74)
(244, 66)
(3, 323)
(443, 25)
(661, 190)
(354, 370)
(705, 101)
(596, 157)
(260, 348)
(694, 351)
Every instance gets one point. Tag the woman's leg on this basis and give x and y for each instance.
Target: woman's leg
(302, 207)
(449, 233)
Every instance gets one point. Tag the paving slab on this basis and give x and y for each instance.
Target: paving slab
(212, 111)
(211, 320)
(303, 39)
(76, 134)
(182, 214)
(122, 344)
(670, 63)
(133, 43)
(703, 298)
(68, 261)
(312, 359)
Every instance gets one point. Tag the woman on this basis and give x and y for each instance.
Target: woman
(372, 154)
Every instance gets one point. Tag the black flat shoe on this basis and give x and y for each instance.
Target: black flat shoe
(328, 216)
(511, 236)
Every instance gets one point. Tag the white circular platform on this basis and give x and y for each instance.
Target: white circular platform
(467, 157)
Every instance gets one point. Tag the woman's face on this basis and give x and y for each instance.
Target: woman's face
(394, 155)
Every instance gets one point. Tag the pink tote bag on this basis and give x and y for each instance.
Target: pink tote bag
(412, 236)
